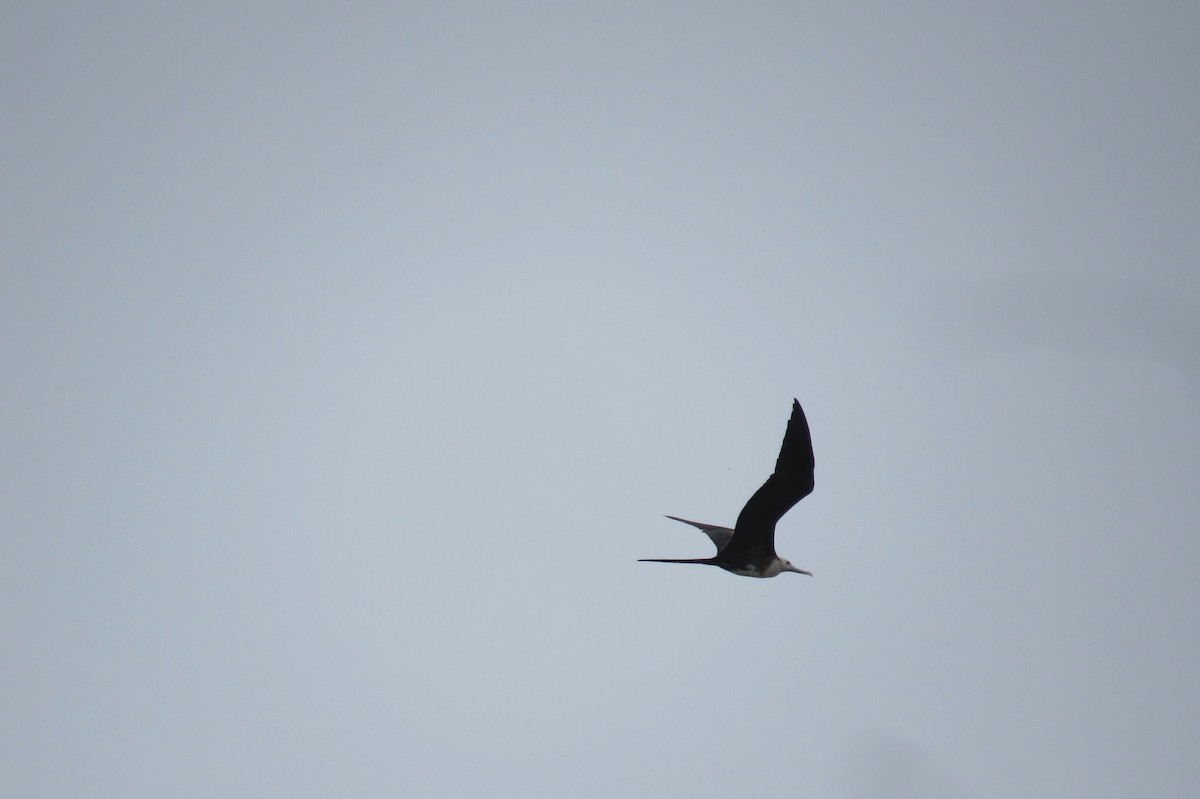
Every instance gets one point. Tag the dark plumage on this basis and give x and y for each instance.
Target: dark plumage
(749, 548)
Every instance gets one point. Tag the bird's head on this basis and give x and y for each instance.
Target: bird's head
(788, 567)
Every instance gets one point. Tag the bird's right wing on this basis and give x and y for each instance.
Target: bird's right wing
(791, 482)
(719, 535)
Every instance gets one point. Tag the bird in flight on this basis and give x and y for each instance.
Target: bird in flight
(749, 548)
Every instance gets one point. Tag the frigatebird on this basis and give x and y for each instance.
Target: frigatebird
(749, 548)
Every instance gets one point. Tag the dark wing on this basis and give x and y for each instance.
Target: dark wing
(754, 535)
(719, 535)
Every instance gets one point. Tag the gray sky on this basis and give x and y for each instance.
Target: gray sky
(353, 352)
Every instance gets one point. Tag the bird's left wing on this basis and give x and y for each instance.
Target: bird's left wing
(719, 535)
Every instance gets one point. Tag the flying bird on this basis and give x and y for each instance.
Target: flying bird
(749, 548)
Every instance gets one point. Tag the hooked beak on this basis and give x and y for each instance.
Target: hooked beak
(799, 571)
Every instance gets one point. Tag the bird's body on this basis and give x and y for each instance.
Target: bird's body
(749, 548)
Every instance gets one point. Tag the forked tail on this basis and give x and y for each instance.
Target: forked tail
(709, 561)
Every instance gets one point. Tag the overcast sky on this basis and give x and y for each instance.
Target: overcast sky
(352, 352)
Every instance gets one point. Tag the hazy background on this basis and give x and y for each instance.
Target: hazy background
(352, 352)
